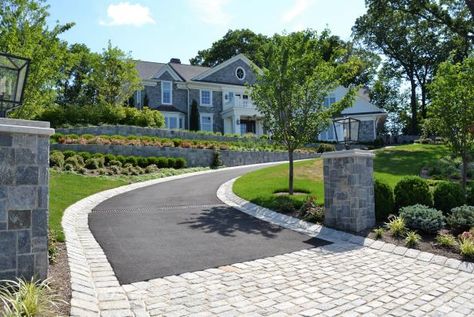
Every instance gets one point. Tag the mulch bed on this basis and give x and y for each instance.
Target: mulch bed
(60, 281)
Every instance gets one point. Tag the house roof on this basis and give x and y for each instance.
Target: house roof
(146, 70)
(169, 109)
(188, 72)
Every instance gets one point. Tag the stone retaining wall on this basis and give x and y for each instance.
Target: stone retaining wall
(126, 130)
(194, 157)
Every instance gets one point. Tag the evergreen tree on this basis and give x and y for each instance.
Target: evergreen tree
(194, 120)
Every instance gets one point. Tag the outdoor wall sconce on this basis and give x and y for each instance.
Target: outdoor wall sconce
(350, 131)
(13, 74)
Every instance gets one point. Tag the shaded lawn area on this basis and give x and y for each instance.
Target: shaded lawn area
(390, 165)
(68, 188)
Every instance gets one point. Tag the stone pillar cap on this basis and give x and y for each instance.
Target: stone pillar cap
(25, 127)
(348, 153)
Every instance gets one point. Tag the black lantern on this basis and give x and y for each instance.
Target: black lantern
(350, 130)
(13, 73)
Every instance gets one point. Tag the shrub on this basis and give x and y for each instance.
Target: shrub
(108, 158)
(115, 169)
(384, 200)
(52, 246)
(115, 163)
(378, 233)
(411, 191)
(423, 218)
(68, 154)
(162, 162)
(461, 218)
(153, 160)
(85, 155)
(466, 246)
(142, 161)
(132, 160)
(445, 240)
(180, 163)
(448, 195)
(284, 204)
(94, 163)
(171, 162)
(412, 239)
(68, 167)
(151, 169)
(75, 161)
(216, 160)
(120, 158)
(324, 147)
(396, 226)
(56, 159)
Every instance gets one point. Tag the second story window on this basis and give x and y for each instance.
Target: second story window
(206, 98)
(329, 100)
(166, 92)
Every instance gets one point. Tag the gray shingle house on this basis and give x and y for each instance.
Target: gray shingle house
(223, 99)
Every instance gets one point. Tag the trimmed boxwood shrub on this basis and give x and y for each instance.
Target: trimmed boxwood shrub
(447, 195)
(108, 158)
(162, 162)
(143, 162)
(180, 163)
(56, 159)
(461, 218)
(132, 160)
(171, 162)
(384, 200)
(423, 218)
(412, 190)
(324, 147)
(68, 154)
(76, 161)
(92, 164)
(120, 158)
(85, 155)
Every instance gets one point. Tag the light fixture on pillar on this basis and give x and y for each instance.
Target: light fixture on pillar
(350, 130)
(13, 73)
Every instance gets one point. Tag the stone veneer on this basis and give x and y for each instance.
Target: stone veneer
(24, 195)
(349, 190)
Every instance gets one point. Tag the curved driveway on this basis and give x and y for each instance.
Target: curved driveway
(181, 226)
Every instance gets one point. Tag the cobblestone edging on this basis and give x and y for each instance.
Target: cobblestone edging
(226, 194)
(95, 288)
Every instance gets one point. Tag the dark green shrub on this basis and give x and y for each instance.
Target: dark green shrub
(143, 162)
(76, 161)
(56, 159)
(461, 218)
(447, 195)
(153, 160)
(284, 205)
(108, 158)
(384, 200)
(162, 162)
(180, 163)
(470, 196)
(98, 155)
(151, 169)
(132, 160)
(115, 163)
(85, 155)
(216, 161)
(324, 147)
(423, 218)
(120, 158)
(92, 164)
(171, 162)
(412, 190)
(68, 154)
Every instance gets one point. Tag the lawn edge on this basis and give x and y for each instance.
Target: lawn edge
(226, 194)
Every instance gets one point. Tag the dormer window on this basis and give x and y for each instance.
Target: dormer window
(240, 73)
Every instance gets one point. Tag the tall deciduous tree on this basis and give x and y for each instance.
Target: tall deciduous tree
(24, 31)
(233, 43)
(414, 48)
(290, 91)
(452, 108)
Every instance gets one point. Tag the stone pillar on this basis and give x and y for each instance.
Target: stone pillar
(349, 190)
(24, 195)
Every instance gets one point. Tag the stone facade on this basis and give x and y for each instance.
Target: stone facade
(349, 190)
(194, 157)
(24, 197)
(366, 131)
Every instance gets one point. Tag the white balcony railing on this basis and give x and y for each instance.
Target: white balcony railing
(238, 103)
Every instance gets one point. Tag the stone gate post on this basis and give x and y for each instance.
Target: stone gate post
(349, 190)
(24, 195)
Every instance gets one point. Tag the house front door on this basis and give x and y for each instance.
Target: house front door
(247, 126)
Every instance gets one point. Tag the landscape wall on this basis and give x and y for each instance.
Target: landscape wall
(193, 157)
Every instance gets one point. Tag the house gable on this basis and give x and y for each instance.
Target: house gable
(167, 73)
(226, 73)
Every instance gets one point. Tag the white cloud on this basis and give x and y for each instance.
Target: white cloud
(299, 7)
(211, 11)
(125, 13)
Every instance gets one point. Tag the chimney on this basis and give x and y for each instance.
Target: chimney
(175, 60)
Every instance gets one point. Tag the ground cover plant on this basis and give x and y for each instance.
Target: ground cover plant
(241, 145)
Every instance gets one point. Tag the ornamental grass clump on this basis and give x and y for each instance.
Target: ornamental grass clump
(378, 233)
(445, 239)
(466, 245)
(423, 218)
(412, 239)
(396, 226)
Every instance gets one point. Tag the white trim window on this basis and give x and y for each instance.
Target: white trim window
(166, 92)
(173, 120)
(240, 73)
(206, 122)
(206, 97)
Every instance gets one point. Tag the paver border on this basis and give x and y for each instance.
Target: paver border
(226, 195)
(95, 288)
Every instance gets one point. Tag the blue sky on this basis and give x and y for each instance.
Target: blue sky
(157, 30)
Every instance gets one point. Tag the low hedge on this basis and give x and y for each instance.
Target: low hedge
(99, 160)
(412, 190)
(447, 196)
(384, 200)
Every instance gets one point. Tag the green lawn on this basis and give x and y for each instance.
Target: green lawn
(390, 165)
(67, 188)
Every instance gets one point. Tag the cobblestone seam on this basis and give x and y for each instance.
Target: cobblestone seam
(226, 195)
(95, 288)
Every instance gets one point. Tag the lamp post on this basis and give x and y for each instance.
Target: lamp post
(350, 130)
(13, 74)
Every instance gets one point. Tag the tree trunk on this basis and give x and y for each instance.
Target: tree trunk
(464, 171)
(414, 108)
(290, 173)
(423, 101)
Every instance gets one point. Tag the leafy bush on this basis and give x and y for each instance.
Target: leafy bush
(171, 162)
(412, 239)
(108, 158)
(94, 163)
(132, 160)
(142, 162)
(151, 169)
(56, 159)
(448, 195)
(445, 239)
(396, 226)
(216, 160)
(384, 200)
(120, 158)
(461, 218)
(378, 233)
(423, 218)
(284, 204)
(324, 147)
(180, 163)
(466, 246)
(76, 161)
(162, 162)
(68, 154)
(411, 191)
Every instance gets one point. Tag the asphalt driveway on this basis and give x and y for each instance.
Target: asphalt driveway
(181, 226)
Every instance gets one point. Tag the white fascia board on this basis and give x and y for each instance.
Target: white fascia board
(241, 57)
(167, 68)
